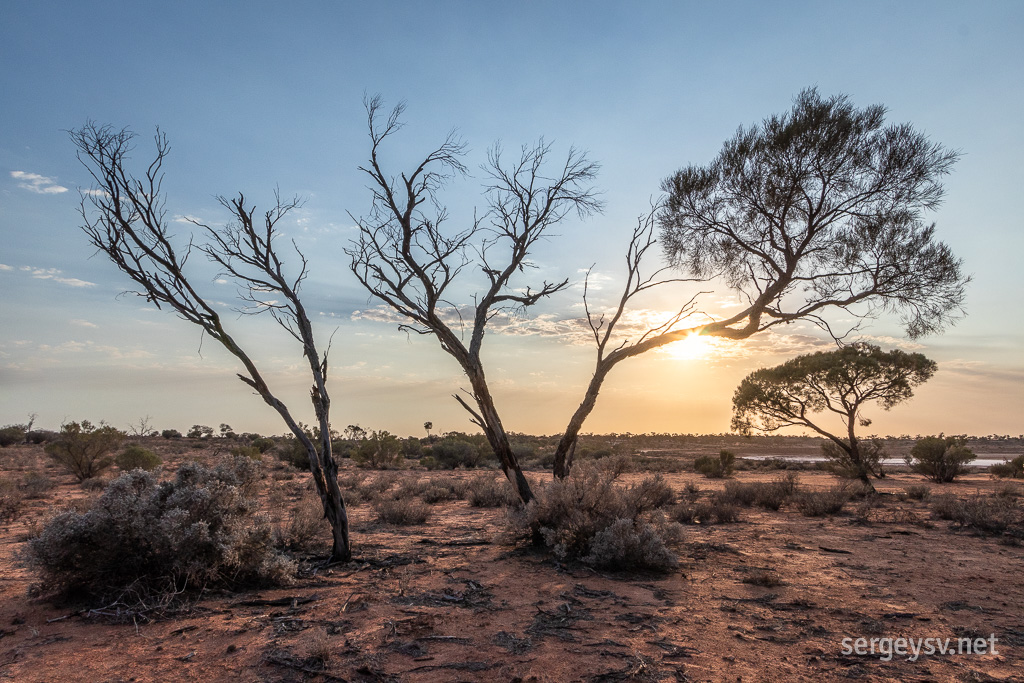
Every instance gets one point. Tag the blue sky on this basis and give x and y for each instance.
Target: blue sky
(258, 95)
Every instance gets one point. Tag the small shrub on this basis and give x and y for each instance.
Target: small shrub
(691, 491)
(11, 434)
(94, 483)
(36, 485)
(85, 449)
(631, 544)
(488, 491)
(716, 468)
(763, 577)
(985, 514)
(821, 503)
(38, 436)
(135, 456)
(940, 459)
(918, 492)
(144, 542)
(170, 434)
(10, 500)
(250, 452)
(649, 493)
(263, 444)
(588, 517)
(402, 511)
(304, 526)
(1010, 469)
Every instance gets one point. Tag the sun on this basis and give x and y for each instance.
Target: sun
(693, 347)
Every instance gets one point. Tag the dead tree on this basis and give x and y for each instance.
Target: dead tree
(815, 210)
(407, 258)
(124, 217)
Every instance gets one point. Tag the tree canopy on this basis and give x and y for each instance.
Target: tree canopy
(840, 382)
(817, 208)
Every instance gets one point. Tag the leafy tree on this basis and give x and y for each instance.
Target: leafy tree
(84, 449)
(124, 216)
(840, 383)
(817, 209)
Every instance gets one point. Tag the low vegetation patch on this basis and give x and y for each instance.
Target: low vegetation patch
(589, 517)
(985, 514)
(719, 467)
(822, 503)
(941, 459)
(84, 449)
(490, 491)
(402, 511)
(1010, 469)
(135, 456)
(143, 543)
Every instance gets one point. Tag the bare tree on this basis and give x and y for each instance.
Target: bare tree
(817, 209)
(406, 257)
(124, 217)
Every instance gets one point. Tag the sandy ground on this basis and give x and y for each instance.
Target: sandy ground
(450, 601)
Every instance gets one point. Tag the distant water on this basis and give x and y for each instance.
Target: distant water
(983, 459)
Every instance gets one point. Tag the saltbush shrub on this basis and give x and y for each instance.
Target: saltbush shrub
(984, 514)
(1010, 469)
(490, 491)
(588, 517)
(719, 467)
(36, 484)
(84, 449)
(304, 526)
(10, 500)
(918, 492)
(941, 459)
(143, 542)
(135, 456)
(402, 511)
(822, 503)
(453, 452)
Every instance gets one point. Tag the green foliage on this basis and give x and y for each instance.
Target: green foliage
(135, 456)
(84, 448)
(716, 468)
(143, 542)
(1011, 469)
(250, 452)
(941, 459)
(170, 434)
(457, 450)
(11, 434)
(819, 207)
(380, 450)
(842, 381)
(200, 432)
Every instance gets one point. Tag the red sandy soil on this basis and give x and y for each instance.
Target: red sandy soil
(452, 601)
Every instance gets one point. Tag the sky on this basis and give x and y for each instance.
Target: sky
(255, 96)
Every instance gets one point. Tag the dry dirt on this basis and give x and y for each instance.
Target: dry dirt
(450, 601)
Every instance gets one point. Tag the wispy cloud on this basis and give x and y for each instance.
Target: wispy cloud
(55, 275)
(83, 323)
(4, 266)
(40, 184)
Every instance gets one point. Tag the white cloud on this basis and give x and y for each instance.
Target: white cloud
(55, 275)
(905, 344)
(83, 323)
(4, 266)
(40, 184)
